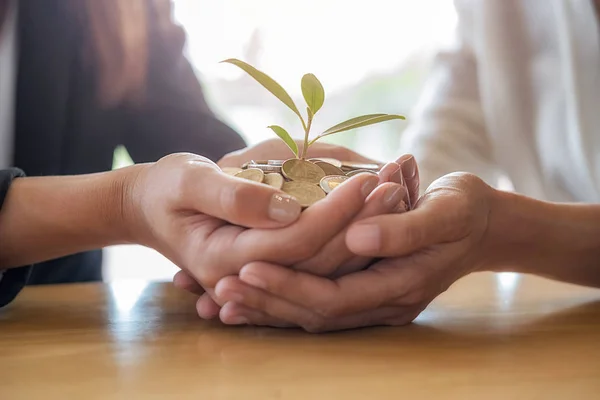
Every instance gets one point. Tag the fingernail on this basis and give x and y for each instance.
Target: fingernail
(387, 171)
(369, 185)
(364, 238)
(252, 280)
(237, 320)
(393, 195)
(397, 177)
(409, 168)
(284, 208)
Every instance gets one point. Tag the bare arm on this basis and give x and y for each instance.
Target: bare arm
(48, 217)
(554, 240)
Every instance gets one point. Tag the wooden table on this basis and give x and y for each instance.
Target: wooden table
(488, 337)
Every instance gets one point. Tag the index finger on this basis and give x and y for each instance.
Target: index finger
(353, 293)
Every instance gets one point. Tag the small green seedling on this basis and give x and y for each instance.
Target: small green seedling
(314, 95)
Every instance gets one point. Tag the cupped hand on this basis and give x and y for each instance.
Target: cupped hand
(196, 216)
(424, 251)
(333, 258)
(398, 190)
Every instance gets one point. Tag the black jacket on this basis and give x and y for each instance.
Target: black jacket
(60, 128)
(13, 280)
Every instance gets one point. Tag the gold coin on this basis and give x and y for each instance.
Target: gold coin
(231, 170)
(329, 183)
(306, 193)
(361, 171)
(350, 165)
(252, 174)
(302, 171)
(331, 161)
(275, 180)
(329, 169)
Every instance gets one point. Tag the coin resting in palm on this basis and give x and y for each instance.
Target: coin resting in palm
(308, 180)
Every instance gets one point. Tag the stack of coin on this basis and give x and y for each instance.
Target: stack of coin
(307, 180)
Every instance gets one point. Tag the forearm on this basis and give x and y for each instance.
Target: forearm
(558, 241)
(48, 217)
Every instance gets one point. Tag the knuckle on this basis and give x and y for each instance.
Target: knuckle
(417, 292)
(184, 179)
(186, 174)
(415, 296)
(173, 158)
(413, 236)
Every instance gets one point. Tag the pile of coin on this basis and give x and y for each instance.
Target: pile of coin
(307, 180)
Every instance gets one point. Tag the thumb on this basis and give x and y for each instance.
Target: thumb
(236, 200)
(395, 235)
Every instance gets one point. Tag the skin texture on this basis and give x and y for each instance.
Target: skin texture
(371, 263)
(459, 226)
(158, 205)
(187, 209)
(311, 250)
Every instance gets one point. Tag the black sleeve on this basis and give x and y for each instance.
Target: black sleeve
(12, 280)
(174, 116)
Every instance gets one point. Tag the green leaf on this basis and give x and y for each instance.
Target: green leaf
(282, 133)
(351, 122)
(359, 122)
(313, 92)
(268, 83)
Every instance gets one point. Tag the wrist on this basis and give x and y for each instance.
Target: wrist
(122, 207)
(555, 240)
(49, 217)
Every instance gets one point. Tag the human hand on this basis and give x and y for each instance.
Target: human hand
(336, 259)
(276, 149)
(441, 240)
(394, 194)
(194, 215)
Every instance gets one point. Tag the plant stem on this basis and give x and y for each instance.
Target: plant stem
(306, 134)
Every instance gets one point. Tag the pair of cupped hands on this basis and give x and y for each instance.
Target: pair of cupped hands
(357, 258)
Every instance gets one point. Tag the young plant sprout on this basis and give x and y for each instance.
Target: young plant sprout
(314, 95)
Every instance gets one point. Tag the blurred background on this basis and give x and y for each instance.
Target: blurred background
(370, 57)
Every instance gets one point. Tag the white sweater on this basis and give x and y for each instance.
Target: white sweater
(517, 95)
